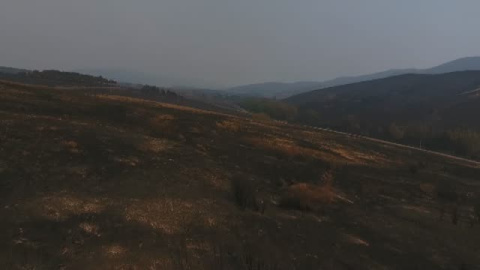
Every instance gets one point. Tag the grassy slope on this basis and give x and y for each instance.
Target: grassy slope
(113, 182)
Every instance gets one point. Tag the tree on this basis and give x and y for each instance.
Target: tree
(396, 132)
(465, 142)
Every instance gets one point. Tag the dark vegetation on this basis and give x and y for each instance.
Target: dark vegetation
(245, 195)
(155, 91)
(53, 78)
(116, 180)
(274, 109)
(278, 110)
(9, 70)
(437, 112)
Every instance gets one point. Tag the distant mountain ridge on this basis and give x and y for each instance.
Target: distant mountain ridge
(462, 64)
(284, 90)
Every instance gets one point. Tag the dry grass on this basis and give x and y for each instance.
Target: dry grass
(284, 146)
(261, 117)
(229, 125)
(63, 206)
(154, 145)
(83, 189)
(304, 196)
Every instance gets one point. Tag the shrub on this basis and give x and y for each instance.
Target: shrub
(413, 169)
(228, 125)
(417, 167)
(260, 117)
(396, 132)
(245, 194)
(427, 189)
(163, 126)
(446, 192)
(308, 197)
(477, 208)
(327, 178)
(455, 215)
(291, 201)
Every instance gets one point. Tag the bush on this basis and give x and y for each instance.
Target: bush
(229, 126)
(260, 117)
(245, 194)
(477, 208)
(413, 168)
(291, 201)
(446, 192)
(396, 132)
(307, 197)
(455, 215)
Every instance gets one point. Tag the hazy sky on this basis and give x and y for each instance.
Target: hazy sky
(231, 42)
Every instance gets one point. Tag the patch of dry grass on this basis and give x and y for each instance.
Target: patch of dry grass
(305, 196)
(229, 125)
(62, 206)
(170, 216)
(284, 146)
(154, 145)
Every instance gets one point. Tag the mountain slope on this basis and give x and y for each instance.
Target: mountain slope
(425, 85)
(284, 90)
(369, 77)
(110, 182)
(462, 64)
(401, 98)
(411, 108)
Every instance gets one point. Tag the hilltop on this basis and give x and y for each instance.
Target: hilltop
(100, 180)
(53, 78)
